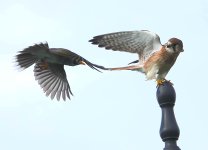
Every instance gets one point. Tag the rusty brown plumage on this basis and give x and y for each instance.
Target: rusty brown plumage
(155, 60)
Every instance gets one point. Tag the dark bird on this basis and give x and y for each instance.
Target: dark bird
(155, 60)
(49, 67)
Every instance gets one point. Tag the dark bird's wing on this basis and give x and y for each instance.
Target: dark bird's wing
(142, 42)
(52, 78)
(72, 59)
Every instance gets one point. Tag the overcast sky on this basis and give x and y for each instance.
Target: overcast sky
(109, 110)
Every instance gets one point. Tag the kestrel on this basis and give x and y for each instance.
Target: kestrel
(49, 67)
(155, 60)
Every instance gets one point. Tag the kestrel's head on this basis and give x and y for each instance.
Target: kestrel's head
(174, 45)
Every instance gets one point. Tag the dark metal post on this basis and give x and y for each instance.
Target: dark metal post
(169, 130)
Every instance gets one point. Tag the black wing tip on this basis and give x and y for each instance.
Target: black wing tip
(133, 62)
(92, 40)
(95, 40)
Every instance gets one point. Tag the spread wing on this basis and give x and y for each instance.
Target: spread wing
(142, 42)
(52, 78)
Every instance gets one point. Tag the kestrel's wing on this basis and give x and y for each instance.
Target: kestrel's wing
(72, 59)
(142, 42)
(52, 78)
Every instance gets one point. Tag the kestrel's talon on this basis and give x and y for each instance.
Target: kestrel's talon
(160, 82)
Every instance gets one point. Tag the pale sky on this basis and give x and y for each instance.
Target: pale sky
(109, 110)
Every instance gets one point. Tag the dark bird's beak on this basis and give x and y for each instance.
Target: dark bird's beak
(182, 50)
(82, 63)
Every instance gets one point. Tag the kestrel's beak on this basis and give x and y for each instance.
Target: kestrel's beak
(182, 50)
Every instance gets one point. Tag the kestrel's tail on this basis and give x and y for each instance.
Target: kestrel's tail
(132, 68)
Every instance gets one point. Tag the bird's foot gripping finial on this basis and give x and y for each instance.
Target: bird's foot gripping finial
(162, 81)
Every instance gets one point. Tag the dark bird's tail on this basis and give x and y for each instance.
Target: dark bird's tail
(25, 59)
(132, 68)
(94, 66)
(28, 57)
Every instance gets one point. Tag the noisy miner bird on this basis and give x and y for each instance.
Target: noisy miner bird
(49, 67)
(155, 60)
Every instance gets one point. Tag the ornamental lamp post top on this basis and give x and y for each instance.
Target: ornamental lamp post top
(169, 130)
(166, 94)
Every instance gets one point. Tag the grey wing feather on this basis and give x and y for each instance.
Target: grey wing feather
(53, 80)
(142, 42)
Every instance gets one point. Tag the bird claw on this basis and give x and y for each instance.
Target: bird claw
(162, 81)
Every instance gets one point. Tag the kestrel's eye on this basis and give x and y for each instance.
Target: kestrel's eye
(174, 46)
(171, 46)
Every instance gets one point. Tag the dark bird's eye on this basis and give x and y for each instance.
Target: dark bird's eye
(168, 46)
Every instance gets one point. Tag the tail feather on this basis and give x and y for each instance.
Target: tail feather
(94, 66)
(120, 68)
(25, 60)
(132, 68)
